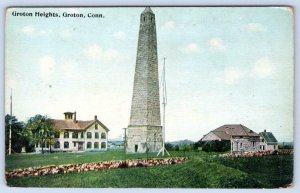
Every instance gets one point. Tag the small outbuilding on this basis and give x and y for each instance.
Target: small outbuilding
(268, 141)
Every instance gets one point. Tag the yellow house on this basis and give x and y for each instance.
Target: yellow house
(77, 135)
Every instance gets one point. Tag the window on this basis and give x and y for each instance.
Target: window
(68, 116)
(66, 135)
(96, 145)
(43, 144)
(241, 145)
(96, 125)
(144, 18)
(89, 145)
(66, 145)
(89, 135)
(253, 143)
(136, 148)
(57, 144)
(81, 135)
(103, 145)
(103, 135)
(74, 144)
(56, 134)
(75, 135)
(97, 135)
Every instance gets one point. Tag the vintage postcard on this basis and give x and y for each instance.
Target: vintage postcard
(149, 97)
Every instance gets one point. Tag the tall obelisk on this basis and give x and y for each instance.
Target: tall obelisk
(144, 132)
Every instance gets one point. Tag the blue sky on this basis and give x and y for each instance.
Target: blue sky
(224, 66)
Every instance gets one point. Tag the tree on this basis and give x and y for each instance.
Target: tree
(51, 140)
(17, 139)
(197, 144)
(169, 146)
(216, 146)
(41, 130)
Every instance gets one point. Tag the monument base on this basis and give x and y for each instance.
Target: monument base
(143, 138)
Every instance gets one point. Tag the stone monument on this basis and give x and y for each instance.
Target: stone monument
(144, 132)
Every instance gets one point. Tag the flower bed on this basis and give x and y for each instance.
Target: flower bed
(107, 165)
(258, 153)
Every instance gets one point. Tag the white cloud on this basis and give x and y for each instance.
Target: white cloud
(47, 65)
(27, 29)
(120, 35)
(231, 75)
(68, 69)
(95, 52)
(169, 24)
(254, 27)
(263, 67)
(190, 48)
(216, 44)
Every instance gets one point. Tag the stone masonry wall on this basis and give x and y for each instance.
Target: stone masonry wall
(144, 130)
(145, 107)
(144, 137)
(245, 144)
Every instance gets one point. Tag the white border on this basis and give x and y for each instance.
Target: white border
(8, 3)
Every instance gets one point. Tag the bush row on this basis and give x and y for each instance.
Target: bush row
(258, 153)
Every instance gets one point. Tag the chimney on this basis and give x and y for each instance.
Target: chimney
(95, 117)
(74, 117)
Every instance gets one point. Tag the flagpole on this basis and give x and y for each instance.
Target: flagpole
(163, 149)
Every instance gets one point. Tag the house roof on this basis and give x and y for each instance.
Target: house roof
(269, 137)
(75, 125)
(226, 131)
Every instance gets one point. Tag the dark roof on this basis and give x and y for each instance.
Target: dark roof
(269, 137)
(222, 135)
(226, 131)
(68, 112)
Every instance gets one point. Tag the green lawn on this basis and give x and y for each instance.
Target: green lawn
(272, 171)
(200, 171)
(16, 161)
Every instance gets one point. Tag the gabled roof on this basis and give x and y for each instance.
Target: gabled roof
(269, 138)
(75, 125)
(226, 131)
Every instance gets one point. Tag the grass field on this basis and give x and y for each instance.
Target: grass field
(200, 171)
(16, 161)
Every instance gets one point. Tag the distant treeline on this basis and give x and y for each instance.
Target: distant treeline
(213, 146)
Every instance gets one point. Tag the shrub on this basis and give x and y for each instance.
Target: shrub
(169, 146)
(216, 146)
